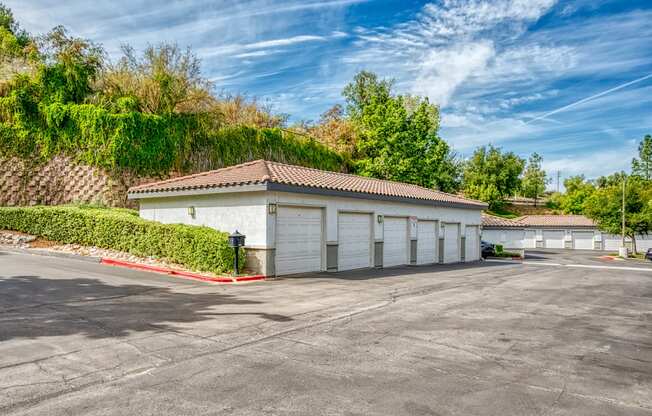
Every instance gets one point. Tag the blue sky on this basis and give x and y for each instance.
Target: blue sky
(564, 79)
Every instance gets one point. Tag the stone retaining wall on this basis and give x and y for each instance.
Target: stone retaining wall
(61, 181)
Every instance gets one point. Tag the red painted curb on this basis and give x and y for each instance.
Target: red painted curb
(179, 273)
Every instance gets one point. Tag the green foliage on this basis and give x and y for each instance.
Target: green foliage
(198, 248)
(164, 80)
(534, 181)
(146, 144)
(8, 25)
(502, 212)
(578, 191)
(605, 207)
(491, 175)
(643, 165)
(395, 141)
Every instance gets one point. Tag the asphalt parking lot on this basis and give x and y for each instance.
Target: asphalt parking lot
(494, 338)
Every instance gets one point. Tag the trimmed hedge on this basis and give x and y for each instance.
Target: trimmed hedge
(198, 248)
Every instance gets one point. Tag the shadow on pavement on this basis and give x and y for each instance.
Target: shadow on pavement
(33, 306)
(367, 274)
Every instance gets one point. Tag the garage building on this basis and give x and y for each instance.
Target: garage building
(300, 220)
(575, 232)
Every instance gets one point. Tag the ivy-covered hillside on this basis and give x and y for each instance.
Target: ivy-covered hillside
(146, 114)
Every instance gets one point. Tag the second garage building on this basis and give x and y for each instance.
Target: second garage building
(299, 220)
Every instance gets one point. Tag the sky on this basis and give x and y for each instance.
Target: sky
(569, 80)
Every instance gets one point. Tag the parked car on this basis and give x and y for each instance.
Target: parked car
(648, 255)
(487, 249)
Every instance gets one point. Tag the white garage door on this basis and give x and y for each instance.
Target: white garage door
(298, 240)
(395, 242)
(451, 243)
(530, 240)
(426, 242)
(354, 246)
(491, 236)
(507, 238)
(611, 242)
(583, 240)
(643, 242)
(514, 239)
(472, 245)
(553, 238)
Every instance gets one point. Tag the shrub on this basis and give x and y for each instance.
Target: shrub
(499, 248)
(198, 248)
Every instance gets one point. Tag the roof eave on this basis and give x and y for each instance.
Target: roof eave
(193, 191)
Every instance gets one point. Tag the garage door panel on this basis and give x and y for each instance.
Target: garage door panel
(395, 249)
(643, 242)
(472, 245)
(298, 240)
(583, 240)
(426, 242)
(611, 242)
(354, 246)
(451, 243)
(553, 238)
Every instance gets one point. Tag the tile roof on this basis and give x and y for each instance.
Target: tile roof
(538, 221)
(493, 221)
(556, 221)
(262, 171)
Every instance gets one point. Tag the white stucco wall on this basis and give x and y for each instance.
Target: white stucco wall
(244, 211)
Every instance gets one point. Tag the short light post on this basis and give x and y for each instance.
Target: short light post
(236, 240)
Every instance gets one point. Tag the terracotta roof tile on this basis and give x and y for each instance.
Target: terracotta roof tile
(556, 221)
(262, 171)
(493, 221)
(538, 221)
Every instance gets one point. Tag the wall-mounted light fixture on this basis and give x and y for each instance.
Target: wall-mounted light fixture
(191, 211)
(380, 218)
(271, 208)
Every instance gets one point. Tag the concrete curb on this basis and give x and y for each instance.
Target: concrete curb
(180, 273)
(48, 253)
(133, 266)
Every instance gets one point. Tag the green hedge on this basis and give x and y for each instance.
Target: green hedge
(198, 248)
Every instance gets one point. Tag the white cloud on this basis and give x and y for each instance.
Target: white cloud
(443, 71)
(591, 165)
(284, 42)
(453, 43)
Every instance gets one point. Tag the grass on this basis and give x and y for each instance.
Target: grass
(638, 256)
(502, 212)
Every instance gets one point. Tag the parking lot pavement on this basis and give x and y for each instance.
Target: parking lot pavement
(478, 339)
(583, 257)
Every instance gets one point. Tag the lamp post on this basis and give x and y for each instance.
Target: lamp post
(236, 240)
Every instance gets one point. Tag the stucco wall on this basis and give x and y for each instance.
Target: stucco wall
(244, 211)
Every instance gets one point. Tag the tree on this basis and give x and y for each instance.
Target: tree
(491, 175)
(643, 165)
(394, 142)
(70, 66)
(604, 206)
(335, 130)
(163, 80)
(578, 190)
(534, 181)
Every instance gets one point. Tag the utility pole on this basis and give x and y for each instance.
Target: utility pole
(623, 227)
(558, 175)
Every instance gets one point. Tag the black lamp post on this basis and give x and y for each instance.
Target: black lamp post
(236, 240)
